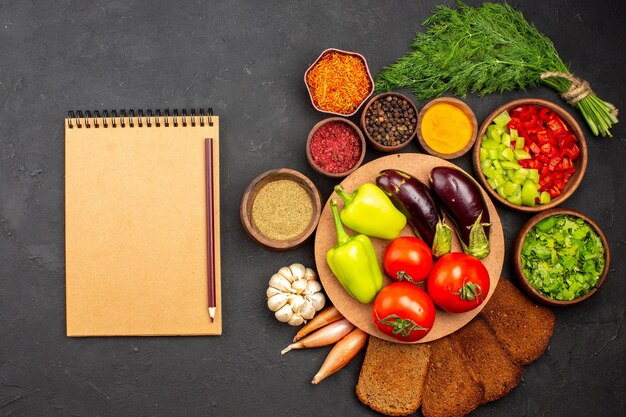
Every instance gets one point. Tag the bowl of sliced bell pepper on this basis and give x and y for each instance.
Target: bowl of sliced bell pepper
(561, 257)
(530, 154)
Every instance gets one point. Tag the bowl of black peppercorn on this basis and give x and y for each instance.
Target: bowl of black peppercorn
(389, 121)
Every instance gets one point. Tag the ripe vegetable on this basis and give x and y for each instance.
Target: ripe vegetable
(403, 311)
(294, 294)
(328, 315)
(415, 200)
(528, 156)
(553, 147)
(341, 354)
(458, 283)
(489, 49)
(354, 263)
(463, 200)
(408, 258)
(563, 257)
(327, 335)
(369, 211)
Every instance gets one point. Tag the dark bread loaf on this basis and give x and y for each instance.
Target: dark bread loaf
(488, 359)
(392, 377)
(452, 389)
(522, 327)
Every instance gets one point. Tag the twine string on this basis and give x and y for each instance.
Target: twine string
(578, 89)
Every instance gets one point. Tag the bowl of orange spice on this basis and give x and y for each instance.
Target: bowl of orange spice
(446, 128)
(339, 82)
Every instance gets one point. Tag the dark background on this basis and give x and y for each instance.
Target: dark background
(247, 59)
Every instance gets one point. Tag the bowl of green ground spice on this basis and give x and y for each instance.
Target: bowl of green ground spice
(280, 209)
(561, 257)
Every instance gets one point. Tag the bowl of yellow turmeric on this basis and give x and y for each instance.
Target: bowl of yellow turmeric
(446, 128)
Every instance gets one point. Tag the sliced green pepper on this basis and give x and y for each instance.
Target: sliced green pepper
(369, 211)
(354, 262)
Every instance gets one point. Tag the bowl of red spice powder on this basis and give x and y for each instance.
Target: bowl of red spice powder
(335, 147)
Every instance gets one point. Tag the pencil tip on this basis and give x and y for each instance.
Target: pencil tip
(212, 314)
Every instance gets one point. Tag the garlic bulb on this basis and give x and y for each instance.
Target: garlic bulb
(294, 294)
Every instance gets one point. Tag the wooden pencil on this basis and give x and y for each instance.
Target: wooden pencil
(210, 251)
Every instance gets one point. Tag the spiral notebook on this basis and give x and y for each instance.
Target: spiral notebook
(135, 223)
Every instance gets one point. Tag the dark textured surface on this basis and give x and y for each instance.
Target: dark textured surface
(246, 59)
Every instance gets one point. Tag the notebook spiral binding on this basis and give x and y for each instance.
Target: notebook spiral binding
(141, 118)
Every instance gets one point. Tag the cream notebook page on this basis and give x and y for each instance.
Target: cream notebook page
(136, 229)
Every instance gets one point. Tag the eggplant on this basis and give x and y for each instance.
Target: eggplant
(463, 201)
(415, 200)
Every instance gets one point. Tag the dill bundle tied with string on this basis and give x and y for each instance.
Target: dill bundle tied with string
(489, 49)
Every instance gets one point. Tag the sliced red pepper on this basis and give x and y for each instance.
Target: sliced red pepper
(526, 163)
(565, 141)
(554, 191)
(542, 137)
(522, 132)
(544, 159)
(572, 152)
(565, 164)
(534, 164)
(561, 123)
(544, 114)
(554, 162)
(548, 150)
(531, 126)
(524, 113)
(546, 179)
(552, 138)
(516, 112)
(556, 126)
(552, 146)
(534, 148)
(514, 123)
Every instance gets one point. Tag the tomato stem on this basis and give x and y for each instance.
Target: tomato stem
(403, 276)
(470, 292)
(400, 326)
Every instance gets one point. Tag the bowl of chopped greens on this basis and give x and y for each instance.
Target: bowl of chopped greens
(561, 257)
(530, 155)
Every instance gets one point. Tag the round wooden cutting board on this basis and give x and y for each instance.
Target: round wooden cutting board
(418, 165)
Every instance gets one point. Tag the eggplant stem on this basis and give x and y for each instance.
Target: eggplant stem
(442, 242)
(478, 245)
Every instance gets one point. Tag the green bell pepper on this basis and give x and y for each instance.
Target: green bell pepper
(369, 211)
(354, 262)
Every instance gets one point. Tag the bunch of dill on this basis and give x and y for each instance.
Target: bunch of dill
(486, 49)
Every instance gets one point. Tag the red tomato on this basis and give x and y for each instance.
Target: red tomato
(458, 283)
(408, 258)
(403, 311)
